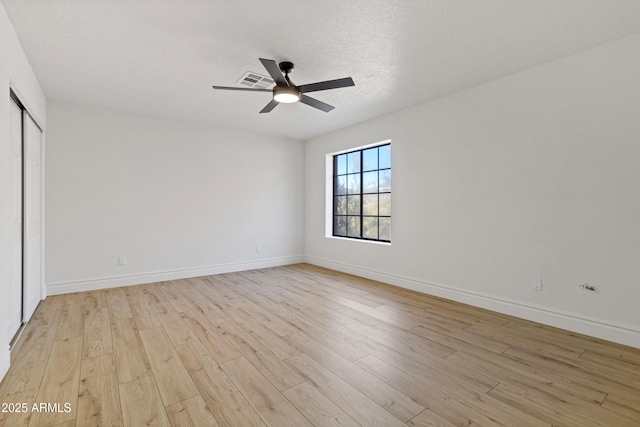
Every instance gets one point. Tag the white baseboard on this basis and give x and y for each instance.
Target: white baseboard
(610, 331)
(138, 279)
(5, 362)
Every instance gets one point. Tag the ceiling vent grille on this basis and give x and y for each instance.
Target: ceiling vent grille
(255, 80)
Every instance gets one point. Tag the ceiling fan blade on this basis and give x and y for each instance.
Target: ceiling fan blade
(270, 106)
(241, 88)
(316, 104)
(329, 84)
(274, 71)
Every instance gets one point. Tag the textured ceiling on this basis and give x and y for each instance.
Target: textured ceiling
(161, 57)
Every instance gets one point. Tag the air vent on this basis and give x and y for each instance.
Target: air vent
(255, 80)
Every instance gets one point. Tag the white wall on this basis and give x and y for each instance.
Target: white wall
(15, 71)
(178, 199)
(533, 175)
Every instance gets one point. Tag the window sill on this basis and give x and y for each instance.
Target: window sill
(359, 240)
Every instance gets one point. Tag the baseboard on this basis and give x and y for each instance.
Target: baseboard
(5, 362)
(138, 279)
(619, 333)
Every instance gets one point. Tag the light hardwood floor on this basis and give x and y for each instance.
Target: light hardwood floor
(301, 346)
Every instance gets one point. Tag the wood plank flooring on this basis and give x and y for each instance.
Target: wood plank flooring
(305, 346)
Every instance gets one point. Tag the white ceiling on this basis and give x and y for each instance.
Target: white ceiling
(161, 57)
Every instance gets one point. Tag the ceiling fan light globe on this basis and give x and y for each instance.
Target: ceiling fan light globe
(286, 95)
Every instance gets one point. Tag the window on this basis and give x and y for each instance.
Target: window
(362, 194)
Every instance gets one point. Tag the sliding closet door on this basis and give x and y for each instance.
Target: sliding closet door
(15, 286)
(32, 216)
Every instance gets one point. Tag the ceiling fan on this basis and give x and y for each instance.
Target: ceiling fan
(287, 92)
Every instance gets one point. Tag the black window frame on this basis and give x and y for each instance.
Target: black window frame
(336, 194)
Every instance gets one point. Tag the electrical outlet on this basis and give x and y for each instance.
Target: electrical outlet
(257, 248)
(122, 260)
(537, 284)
